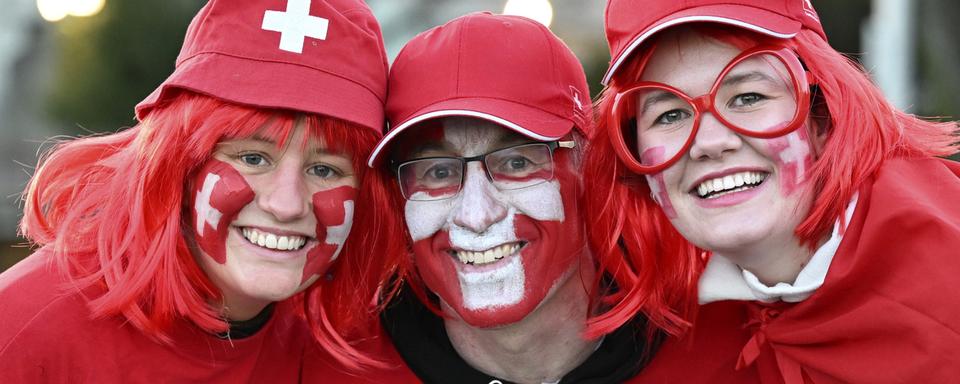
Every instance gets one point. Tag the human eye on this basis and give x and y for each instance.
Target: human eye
(324, 171)
(515, 163)
(439, 172)
(746, 99)
(671, 117)
(252, 159)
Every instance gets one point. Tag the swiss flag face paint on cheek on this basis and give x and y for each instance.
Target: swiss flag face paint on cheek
(219, 193)
(334, 211)
(658, 187)
(541, 221)
(793, 156)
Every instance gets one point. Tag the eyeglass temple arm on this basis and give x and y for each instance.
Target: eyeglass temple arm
(567, 144)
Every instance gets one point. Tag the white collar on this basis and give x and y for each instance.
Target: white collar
(724, 280)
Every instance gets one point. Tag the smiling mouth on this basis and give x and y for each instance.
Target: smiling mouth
(488, 256)
(740, 181)
(273, 241)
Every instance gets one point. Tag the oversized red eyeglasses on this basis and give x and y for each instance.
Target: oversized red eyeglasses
(763, 92)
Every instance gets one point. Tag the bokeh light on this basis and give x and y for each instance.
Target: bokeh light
(56, 10)
(539, 10)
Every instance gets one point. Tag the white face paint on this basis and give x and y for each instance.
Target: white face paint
(337, 234)
(490, 289)
(205, 212)
(483, 219)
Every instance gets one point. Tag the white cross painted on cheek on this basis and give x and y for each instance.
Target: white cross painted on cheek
(205, 212)
(796, 152)
(295, 24)
(337, 234)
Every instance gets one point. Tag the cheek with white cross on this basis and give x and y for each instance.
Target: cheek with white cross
(334, 211)
(793, 156)
(658, 187)
(219, 193)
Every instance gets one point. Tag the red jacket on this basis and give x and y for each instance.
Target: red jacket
(888, 311)
(48, 336)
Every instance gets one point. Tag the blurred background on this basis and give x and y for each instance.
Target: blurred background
(76, 67)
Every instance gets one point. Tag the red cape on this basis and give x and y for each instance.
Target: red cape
(888, 311)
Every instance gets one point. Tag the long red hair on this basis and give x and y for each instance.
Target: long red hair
(112, 209)
(862, 128)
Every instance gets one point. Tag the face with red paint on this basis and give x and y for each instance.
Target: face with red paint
(269, 220)
(492, 253)
(729, 193)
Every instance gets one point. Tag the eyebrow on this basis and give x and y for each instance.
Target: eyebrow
(427, 147)
(745, 77)
(657, 97)
(505, 140)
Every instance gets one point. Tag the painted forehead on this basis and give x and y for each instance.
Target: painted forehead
(456, 136)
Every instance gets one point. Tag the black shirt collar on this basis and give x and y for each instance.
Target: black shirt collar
(421, 339)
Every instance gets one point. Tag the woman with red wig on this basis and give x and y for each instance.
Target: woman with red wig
(176, 250)
(816, 227)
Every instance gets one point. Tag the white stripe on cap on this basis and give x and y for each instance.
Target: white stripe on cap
(636, 42)
(453, 112)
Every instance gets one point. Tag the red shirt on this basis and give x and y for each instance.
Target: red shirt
(888, 311)
(48, 335)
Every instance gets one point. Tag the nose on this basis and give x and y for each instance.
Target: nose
(286, 195)
(479, 207)
(713, 139)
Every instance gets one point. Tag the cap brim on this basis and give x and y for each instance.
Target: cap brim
(523, 119)
(271, 85)
(743, 16)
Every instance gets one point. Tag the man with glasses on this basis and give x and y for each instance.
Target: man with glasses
(488, 116)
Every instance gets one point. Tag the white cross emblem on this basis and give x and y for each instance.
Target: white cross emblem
(796, 152)
(576, 98)
(337, 234)
(205, 212)
(295, 24)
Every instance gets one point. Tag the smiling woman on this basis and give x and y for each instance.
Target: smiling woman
(180, 249)
(801, 205)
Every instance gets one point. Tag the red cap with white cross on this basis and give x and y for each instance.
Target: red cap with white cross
(315, 56)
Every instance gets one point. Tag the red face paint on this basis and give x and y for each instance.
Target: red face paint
(552, 246)
(793, 156)
(334, 211)
(658, 187)
(219, 193)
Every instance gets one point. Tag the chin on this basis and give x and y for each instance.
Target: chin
(274, 289)
(496, 317)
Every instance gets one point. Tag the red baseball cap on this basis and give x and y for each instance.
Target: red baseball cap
(319, 56)
(506, 69)
(630, 22)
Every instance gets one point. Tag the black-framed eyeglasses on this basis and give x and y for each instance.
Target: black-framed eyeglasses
(514, 167)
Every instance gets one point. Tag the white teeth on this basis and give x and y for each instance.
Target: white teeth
(273, 241)
(488, 256)
(730, 183)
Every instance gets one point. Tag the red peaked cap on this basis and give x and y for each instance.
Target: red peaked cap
(252, 53)
(630, 22)
(506, 69)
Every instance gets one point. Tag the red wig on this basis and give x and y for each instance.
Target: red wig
(862, 130)
(112, 208)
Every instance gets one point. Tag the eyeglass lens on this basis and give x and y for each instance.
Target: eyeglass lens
(756, 95)
(509, 168)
